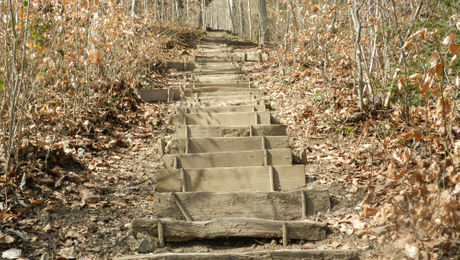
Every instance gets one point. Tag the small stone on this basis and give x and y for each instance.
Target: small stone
(131, 241)
(146, 245)
(308, 246)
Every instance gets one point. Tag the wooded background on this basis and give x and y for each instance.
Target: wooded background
(384, 71)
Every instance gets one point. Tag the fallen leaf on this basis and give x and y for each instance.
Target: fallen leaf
(12, 253)
(412, 251)
(66, 253)
(48, 228)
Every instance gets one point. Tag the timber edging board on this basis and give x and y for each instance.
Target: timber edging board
(227, 119)
(226, 131)
(230, 159)
(231, 179)
(286, 254)
(264, 205)
(226, 144)
(178, 230)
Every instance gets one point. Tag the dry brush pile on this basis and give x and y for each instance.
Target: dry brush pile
(385, 75)
(68, 74)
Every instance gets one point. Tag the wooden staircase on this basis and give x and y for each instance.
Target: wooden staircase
(229, 171)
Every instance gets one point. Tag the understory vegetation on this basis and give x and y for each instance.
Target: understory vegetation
(383, 74)
(68, 75)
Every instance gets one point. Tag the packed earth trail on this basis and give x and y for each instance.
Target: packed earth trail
(228, 174)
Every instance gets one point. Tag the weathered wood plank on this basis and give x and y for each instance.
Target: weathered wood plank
(208, 71)
(226, 97)
(181, 66)
(223, 85)
(196, 131)
(256, 255)
(220, 77)
(226, 109)
(176, 230)
(230, 119)
(218, 58)
(189, 91)
(264, 205)
(159, 95)
(231, 179)
(225, 144)
(230, 159)
(217, 103)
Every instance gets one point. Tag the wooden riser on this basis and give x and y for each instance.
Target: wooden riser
(230, 131)
(225, 144)
(223, 85)
(231, 179)
(257, 255)
(226, 109)
(190, 91)
(212, 71)
(229, 97)
(160, 95)
(264, 205)
(176, 230)
(229, 159)
(227, 119)
(220, 77)
(258, 102)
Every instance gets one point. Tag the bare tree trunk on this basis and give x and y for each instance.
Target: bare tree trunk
(162, 10)
(172, 11)
(355, 16)
(298, 7)
(230, 13)
(187, 10)
(249, 20)
(263, 21)
(177, 10)
(286, 36)
(133, 7)
(203, 15)
(241, 17)
(294, 15)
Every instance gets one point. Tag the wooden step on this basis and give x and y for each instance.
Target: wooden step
(216, 65)
(228, 119)
(219, 77)
(190, 91)
(291, 205)
(195, 131)
(229, 159)
(222, 58)
(160, 95)
(228, 179)
(224, 82)
(285, 254)
(227, 97)
(177, 230)
(221, 103)
(223, 85)
(225, 144)
(175, 93)
(223, 109)
(224, 70)
(218, 95)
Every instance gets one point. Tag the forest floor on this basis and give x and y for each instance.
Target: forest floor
(91, 219)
